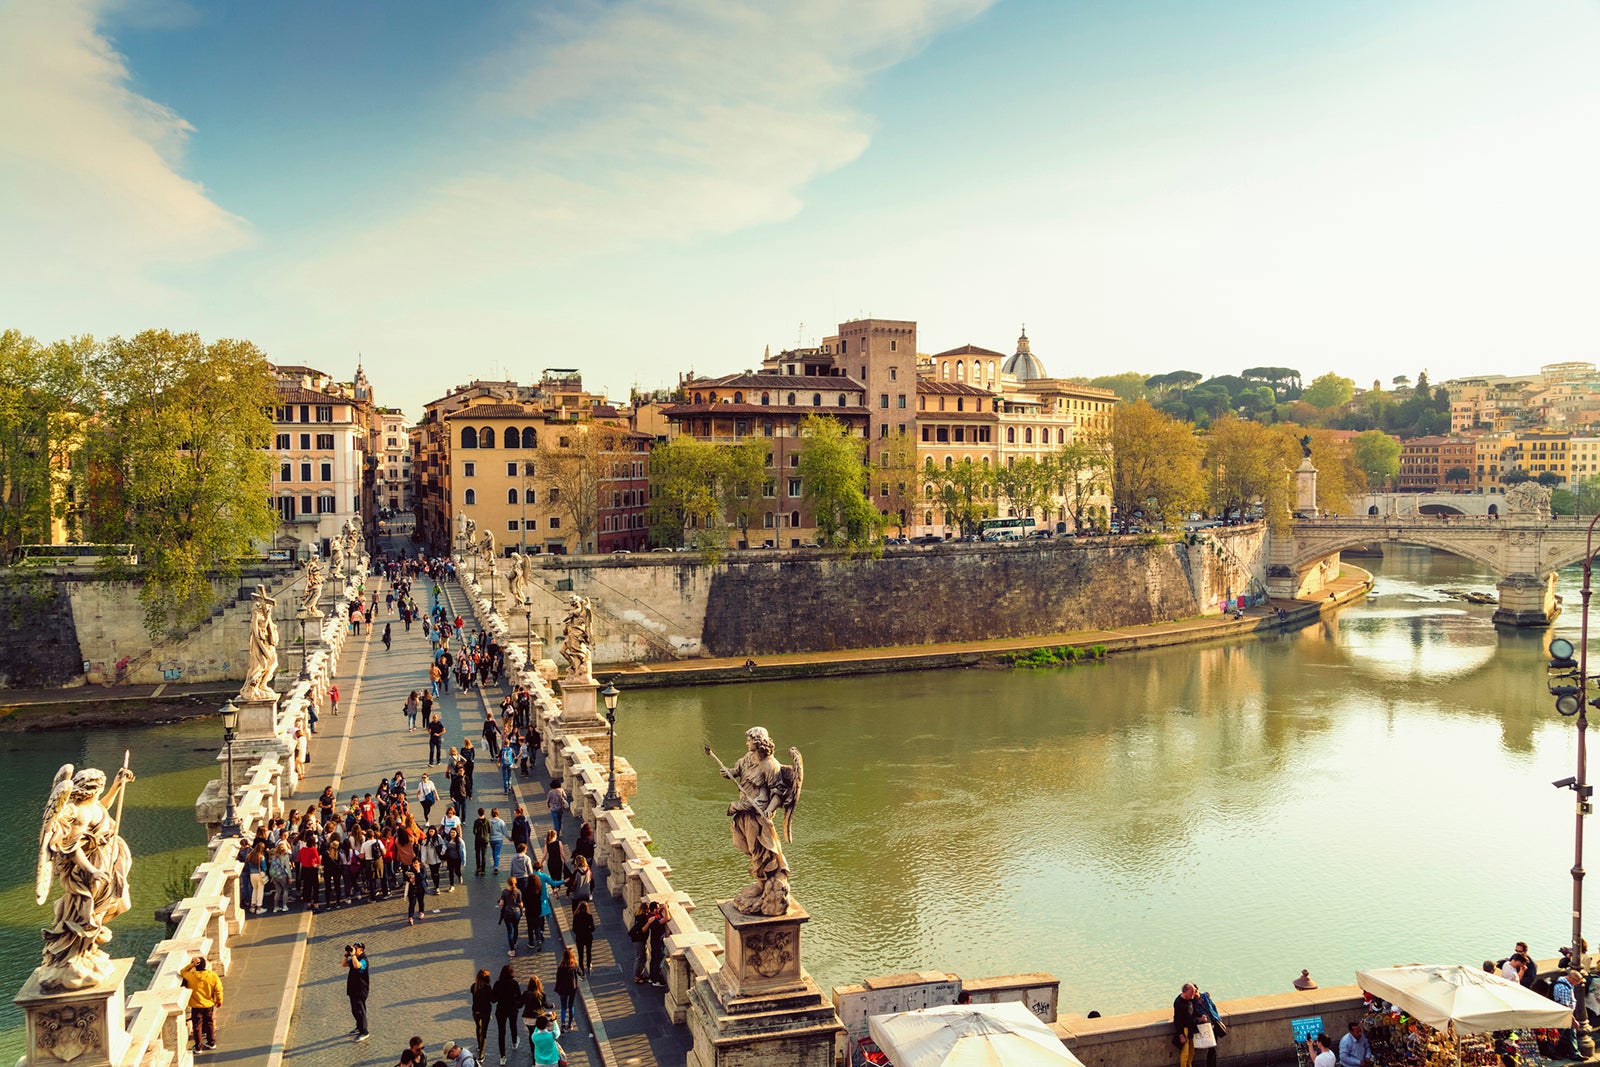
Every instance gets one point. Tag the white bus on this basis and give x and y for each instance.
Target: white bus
(71, 555)
(1005, 529)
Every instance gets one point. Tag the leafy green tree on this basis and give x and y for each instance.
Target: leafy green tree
(963, 491)
(572, 457)
(1284, 381)
(1178, 380)
(181, 445)
(1548, 478)
(1129, 385)
(1027, 486)
(1514, 476)
(1082, 471)
(683, 489)
(1328, 391)
(1377, 456)
(834, 483)
(1155, 463)
(741, 477)
(1247, 463)
(896, 479)
(1457, 474)
(41, 423)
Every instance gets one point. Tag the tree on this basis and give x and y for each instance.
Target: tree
(1457, 474)
(963, 491)
(1155, 463)
(1027, 485)
(1339, 478)
(1549, 479)
(572, 457)
(41, 424)
(1285, 381)
(741, 476)
(1328, 391)
(895, 480)
(683, 479)
(1082, 470)
(1129, 385)
(1247, 463)
(1178, 380)
(180, 462)
(1514, 476)
(834, 482)
(1377, 456)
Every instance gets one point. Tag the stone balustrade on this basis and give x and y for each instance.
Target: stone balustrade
(633, 871)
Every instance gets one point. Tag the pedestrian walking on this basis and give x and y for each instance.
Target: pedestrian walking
(556, 800)
(427, 796)
(535, 1005)
(453, 856)
(416, 892)
(482, 994)
(583, 935)
(388, 637)
(469, 760)
(554, 857)
(507, 1009)
(567, 988)
(497, 836)
(510, 907)
(480, 839)
(357, 984)
(435, 739)
(205, 997)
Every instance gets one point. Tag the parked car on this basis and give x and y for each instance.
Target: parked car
(928, 539)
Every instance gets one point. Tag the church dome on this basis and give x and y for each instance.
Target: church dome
(1024, 366)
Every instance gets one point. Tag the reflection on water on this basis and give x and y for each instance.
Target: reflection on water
(1370, 790)
(173, 763)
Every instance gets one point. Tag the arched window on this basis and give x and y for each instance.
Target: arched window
(486, 437)
(765, 400)
(961, 371)
(991, 372)
(698, 399)
(512, 437)
(470, 497)
(791, 400)
(794, 518)
(961, 403)
(816, 400)
(927, 518)
(1027, 435)
(1061, 436)
(511, 496)
(738, 398)
(842, 400)
(530, 437)
(949, 463)
(469, 437)
(1011, 435)
(944, 370)
(986, 461)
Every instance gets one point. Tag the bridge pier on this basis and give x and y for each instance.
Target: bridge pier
(1527, 600)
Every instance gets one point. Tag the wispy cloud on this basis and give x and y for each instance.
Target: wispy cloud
(660, 121)
(90, 171)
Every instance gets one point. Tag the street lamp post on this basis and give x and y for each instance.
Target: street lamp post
(527, 618)
(609, 694)
(230, 722)
(1569, 682)
(304, 674)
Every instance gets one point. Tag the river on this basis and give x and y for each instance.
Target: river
(1371, 790)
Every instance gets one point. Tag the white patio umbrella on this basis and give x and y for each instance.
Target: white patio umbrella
(969, 1035)
(1472, 1000)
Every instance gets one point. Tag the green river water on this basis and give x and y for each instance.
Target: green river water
(1371, 790)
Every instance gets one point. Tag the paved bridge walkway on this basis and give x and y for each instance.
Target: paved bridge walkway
(285, 991)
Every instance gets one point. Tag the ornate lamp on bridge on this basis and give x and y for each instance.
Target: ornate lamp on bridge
(230, 723)
(1569, 683)
(609, 694)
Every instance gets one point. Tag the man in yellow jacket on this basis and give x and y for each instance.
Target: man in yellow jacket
(205, 996)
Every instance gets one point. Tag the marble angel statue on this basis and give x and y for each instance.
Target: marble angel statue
(263, 649)
(577, 642)
(312, 591)
(79, 845)
(521, 577)
(766, 787)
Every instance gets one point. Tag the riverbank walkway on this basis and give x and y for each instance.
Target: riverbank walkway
(285, 999)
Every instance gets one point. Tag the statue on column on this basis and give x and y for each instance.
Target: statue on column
(352, 541)
(577, 644)
(263, 649)
(520, 579)
(336, 557)
(313, 590)
(486, 546)
(79, 843)
(765, 788)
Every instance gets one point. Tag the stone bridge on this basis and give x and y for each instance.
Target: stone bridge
(1524, 550)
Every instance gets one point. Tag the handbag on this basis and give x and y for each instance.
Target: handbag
(1204, 1036)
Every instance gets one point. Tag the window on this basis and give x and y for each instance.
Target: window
(769, 488)
(794, 486)
(1027, 435)
(765, 399)
(949, 463)
(305, 504)
(305, 441)
(470, 496)
(327, 472)
(794, 518)
(766, 520)
(924, 433)
(892, 345)
(555, 523)
(324, 441)
(530, 524)
(486, 437)
(529, 496)
(791, 400)
(766, 428)
(816, 400)
(900, 401)
(738, 397)
(283, 441)
(1011, 435)
(941, 433)
(842, 400)
(530, 437)
(883, 400)
(511, 525)
(286, 472)
(469, 470)
(511, 468)
(511, 496)
(286, 507)
(883, 431)
(305, 413)
(325, 505)
(305, 474)
(469, 437)
(960, 434)
(286, 414)
(794, 459)
(616, 499)
(553, 496)
(324, 412)
(961, 403)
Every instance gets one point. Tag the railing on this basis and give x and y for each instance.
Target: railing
(633, 872)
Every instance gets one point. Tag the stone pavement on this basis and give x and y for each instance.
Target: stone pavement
(420, 973)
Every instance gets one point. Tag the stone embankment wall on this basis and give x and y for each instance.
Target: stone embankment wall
(754, 603)
(38, 641)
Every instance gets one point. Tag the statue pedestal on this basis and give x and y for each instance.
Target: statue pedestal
(581, 718)
(762, 1006)
(85, 1027)
(258, 719)
(1305, 496)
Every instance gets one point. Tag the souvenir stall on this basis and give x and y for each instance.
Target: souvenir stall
(1452, 1016)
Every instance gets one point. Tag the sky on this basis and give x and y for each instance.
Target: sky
(643, 188)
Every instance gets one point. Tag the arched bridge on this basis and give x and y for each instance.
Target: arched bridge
(1523, 550)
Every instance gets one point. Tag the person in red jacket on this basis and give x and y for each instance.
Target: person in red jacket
(309, 859)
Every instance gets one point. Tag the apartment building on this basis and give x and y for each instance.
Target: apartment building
(322, 437)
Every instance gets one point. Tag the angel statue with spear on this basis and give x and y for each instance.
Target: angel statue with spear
(765, 787)
(79, 843)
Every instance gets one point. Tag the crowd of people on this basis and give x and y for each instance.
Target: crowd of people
(406, 840)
